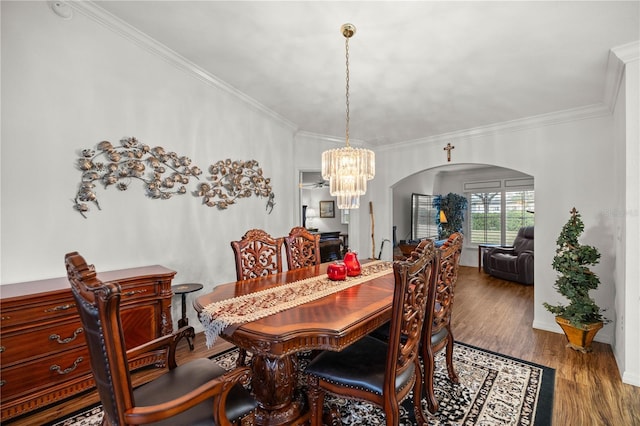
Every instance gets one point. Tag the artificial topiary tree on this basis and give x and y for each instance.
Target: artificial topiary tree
(453, 206)
(575, 280)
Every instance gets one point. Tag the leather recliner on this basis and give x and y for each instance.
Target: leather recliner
(512, 263)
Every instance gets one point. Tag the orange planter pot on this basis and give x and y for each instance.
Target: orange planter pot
(579, 338)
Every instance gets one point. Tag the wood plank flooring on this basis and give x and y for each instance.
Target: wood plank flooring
(496, 315)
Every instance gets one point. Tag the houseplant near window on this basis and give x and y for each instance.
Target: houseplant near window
(582, 318)
(453, 206)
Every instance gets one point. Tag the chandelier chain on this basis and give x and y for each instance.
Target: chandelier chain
(346, 46)
(348, 169)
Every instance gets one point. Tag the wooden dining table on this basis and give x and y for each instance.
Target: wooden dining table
(332, 322)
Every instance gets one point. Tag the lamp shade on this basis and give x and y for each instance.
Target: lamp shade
(443, 218)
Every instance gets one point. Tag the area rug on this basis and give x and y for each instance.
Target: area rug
(494, 389)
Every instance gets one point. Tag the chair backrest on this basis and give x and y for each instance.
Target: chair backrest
(414, 280)
(257, 254)
(445, 283)
(524, 240)
(99, 308)
(417, 250)
(302, 248)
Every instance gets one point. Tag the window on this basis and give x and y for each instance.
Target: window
(485, 208)
(497, 216)
(423, 217)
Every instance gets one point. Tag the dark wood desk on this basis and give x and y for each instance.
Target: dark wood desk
(332, 322)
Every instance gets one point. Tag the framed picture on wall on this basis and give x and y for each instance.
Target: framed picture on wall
(327, 209)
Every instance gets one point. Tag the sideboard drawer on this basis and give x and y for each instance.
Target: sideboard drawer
(38, 310)
(43, 352)
(138, 291)
(49, 339)
(44, 372)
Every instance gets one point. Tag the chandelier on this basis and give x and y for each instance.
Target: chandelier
(348, 169)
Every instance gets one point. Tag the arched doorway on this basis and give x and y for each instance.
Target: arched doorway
(464, 179)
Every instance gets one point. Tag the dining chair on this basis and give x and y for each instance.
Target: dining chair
(197, 392)
(375, 371)
(437, 333)
(302, 248)
(257, 254)
(382, 332)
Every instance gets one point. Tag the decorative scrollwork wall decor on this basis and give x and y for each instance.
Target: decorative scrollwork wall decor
(231, 180)
(167, 174)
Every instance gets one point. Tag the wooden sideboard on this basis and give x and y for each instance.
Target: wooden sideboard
(43, 354)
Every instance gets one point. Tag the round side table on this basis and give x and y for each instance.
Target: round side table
(183, 290)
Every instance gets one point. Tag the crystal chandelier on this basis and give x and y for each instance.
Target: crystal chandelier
(348, 169)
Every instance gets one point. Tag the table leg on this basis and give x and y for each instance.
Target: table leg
(274, 385)
(184, 321)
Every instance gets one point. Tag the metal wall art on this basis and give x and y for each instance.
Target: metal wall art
(164, 174)
(231, 180)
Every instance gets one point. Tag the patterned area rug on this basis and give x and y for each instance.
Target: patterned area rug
(494, 390)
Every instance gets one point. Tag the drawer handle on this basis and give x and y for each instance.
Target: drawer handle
(2, 348)
(60, 371)
(131, 293)
(6, 318)
(2, 382)
(60, 308)
(58, 339)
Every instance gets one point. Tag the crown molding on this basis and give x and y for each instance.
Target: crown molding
(618, 58)
(330, 139)
(549, 119)
(537, 121)
(120, 27)
(628, 52)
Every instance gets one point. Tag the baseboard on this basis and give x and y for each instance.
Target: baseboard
(632, 379)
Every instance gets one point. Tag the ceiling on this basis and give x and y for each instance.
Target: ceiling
(417, 69)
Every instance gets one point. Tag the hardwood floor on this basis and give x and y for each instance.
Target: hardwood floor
(496, 315)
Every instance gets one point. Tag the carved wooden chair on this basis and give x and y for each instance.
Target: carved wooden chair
(437, 331)
(376, 371)
(302, 248)
(257, 254)
(194, 393)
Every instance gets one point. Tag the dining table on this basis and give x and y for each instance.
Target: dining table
(330, 322)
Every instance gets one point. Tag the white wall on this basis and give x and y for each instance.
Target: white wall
(67, 85)
(569, 161)
(627, 217)
(619, 230)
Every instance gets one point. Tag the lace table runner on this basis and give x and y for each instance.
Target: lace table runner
(217, 316)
